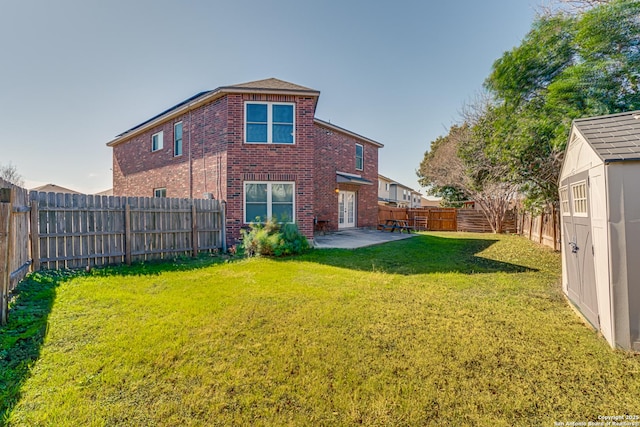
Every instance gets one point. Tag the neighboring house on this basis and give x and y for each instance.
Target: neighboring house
(107, 192)
(258, 147)
(429, 202)
(392, 193)
(52, 188)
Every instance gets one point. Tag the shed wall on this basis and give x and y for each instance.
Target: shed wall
(600, 236)
(579, 157)
(624, 227)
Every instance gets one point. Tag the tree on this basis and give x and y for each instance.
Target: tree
(459, 165)
(568, 66)
(10, 174)
(570, 6)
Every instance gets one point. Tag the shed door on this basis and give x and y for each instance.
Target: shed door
(577, 241)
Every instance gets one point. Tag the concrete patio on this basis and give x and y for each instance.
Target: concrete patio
(356, 238)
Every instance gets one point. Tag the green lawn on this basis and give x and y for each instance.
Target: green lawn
(440, 329)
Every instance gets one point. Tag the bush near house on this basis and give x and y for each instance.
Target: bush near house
(273, 238)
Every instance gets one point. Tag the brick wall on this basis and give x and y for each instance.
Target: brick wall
(216, 160)
(271, 162)
(336, 152)
(201, 169)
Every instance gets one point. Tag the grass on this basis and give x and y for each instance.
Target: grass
(440, 329)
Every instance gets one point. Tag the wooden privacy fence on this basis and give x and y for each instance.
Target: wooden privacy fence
(475, 221)
(82, 230)
(14, 241)
(445, 219)
(53, 231)
(433, 219)
(543, 228)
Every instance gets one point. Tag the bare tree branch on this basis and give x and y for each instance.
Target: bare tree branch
(10, 174)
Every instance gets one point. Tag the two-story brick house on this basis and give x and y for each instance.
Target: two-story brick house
(259, 147)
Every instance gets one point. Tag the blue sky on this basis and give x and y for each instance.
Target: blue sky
(74, 73)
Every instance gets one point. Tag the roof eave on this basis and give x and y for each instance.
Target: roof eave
(211, 96)
(347, 132)
(294, 92)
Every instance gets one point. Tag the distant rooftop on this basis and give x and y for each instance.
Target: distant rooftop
(53, 188)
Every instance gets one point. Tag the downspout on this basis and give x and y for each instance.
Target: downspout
(204, 160)
(190, 163)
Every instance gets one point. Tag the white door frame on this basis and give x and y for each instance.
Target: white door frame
(347, 209)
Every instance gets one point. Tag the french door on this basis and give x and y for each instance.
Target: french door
(346, 209)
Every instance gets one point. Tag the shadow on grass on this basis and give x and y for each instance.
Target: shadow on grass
(419, 255)
(22, 337)
(157, 267)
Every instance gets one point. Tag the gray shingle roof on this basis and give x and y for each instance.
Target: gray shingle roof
(615, 137)
(270, 84)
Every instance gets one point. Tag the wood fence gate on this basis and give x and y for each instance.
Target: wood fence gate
(444, 219)
(432, 219)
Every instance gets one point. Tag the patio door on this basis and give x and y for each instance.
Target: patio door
(346, 209)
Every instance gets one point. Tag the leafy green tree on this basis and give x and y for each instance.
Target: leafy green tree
(568, 66)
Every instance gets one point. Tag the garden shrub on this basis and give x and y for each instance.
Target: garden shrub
(272, 238)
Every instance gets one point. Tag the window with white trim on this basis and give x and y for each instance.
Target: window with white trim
(564, 201)
(579, 196)
(269, 123)
(359, 157)
(156, 141)
(159, 192)
(264, 200)
(177, 139)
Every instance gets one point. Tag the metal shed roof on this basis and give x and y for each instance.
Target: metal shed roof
(615, 137)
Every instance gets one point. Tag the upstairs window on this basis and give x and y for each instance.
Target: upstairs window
(269, 123)
(359, 157)
(177, 139)
(156, 141)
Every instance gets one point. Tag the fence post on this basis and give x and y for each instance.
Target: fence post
(555, 225)
(223, 225)
(35, 236)
(6, 206)
(194, 229)
(127, 233)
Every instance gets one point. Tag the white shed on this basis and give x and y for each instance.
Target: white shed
(600, 206)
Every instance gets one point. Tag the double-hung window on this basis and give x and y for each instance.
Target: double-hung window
(269, 123)
(156, 141)
(177, 139)
(359, 157)
(264, 200)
